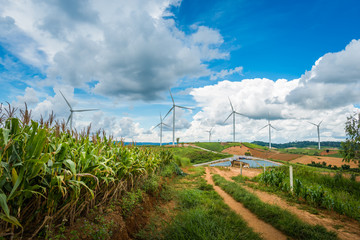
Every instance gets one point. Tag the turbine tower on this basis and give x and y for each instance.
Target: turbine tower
(72, 111)
(233, 113)
(270, 126)
(209, 131)
(161, 127)
(318, 131)
(173, 109)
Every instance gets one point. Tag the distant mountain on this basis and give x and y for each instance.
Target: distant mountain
(301, 144)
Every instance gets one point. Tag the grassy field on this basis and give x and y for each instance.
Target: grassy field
(198, 213)
(255, 146)
(195, 155)
(303, 151)
(218, 147)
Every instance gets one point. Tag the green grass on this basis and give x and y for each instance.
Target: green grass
(200, 213)
(213, 146)
(218, 147)
(320, 190)
(303, 151)
(337, 155)
(252, 145)
(197, 155)
(281, 219)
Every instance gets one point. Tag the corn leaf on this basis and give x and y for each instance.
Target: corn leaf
(10, 219)
(17, 183)
(4, 205)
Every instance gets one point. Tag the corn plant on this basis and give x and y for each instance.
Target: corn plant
(49, 173)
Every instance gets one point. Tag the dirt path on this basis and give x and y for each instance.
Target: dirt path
(347, 228)
(318, 159)
(266, 230)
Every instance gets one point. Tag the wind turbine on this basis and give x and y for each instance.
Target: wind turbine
(209, 131)
(270, 126)
(173, 109)
(233, 112)
(161, 126)
(72, 111)
(318, 131)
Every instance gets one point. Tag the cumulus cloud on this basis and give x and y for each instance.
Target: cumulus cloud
(333, 81)
(30, 97)
(121, 49)
(257, 98)
(16, 41)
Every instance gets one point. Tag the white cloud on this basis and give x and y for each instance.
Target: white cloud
(226, 72)
(30, 97)
(122, 49)
(333, 81)
(255, 97)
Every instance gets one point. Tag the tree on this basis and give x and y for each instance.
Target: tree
(351, 147)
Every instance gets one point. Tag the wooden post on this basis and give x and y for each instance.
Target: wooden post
(264, 168)
(241, 168)
(291, 179)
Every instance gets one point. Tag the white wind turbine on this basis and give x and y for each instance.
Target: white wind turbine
(318, 131)
(270, 126)
(161, 127)
(173, 109)
(209, 131)
(72, 111)
(233, 112)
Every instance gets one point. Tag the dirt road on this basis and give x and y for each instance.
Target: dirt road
(266, 230)
(346, 228)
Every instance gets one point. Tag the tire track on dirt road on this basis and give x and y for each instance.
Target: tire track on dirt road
(266, 230)
(350, 229)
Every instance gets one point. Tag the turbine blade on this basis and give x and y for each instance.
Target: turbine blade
(229, 116)
(232, 108)
(168, 112)
(264, 127)
(69, 118)
(274, 127)
(165, 124)
(156, 126)
(241, 114)
(320, 122)
(66, 100)
(312, 123)
(171, 97)
(184, 107)
(85, 110)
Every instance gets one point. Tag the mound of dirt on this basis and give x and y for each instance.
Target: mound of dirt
(324, 153)
(236, 150)
(329, 160)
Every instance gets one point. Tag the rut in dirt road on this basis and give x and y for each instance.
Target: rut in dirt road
(266, 230)
(350, 228)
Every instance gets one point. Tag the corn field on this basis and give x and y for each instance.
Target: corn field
(323, 191)
(49, 174)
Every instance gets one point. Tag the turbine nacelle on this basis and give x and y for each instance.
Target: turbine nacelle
(173, 109)
(72, 111)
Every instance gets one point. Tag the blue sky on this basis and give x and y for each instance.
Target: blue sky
(295, 60)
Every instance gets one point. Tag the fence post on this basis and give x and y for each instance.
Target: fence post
(241, 168)
(291, 179)
(264, 168)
